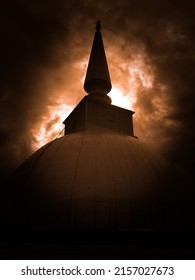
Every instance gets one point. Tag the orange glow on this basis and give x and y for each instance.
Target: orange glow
(51, 125)
(120, 99)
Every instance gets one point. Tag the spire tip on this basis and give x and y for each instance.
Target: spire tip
(98, 25)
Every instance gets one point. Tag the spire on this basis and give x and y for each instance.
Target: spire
(97, 82)
(95, 109)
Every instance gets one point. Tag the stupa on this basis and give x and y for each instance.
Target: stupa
(97, 186)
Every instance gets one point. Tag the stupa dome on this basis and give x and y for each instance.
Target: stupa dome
(92, 179)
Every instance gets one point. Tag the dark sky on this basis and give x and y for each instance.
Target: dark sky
(45, 46)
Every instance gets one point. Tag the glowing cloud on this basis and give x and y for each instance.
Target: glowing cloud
(51, 125)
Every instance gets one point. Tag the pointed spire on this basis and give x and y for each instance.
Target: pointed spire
(97, 82)
(98, 26)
